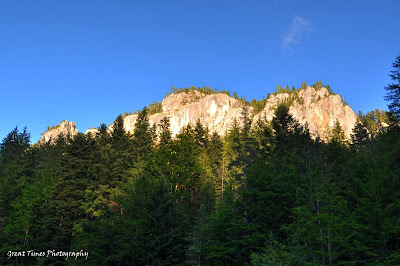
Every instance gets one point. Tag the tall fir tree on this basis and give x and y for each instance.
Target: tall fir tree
(165, 132)
(359, 137)
(393, 94)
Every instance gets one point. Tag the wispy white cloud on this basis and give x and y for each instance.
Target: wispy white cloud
(296, 31)
(273, 2)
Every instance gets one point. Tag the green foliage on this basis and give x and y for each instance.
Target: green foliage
(206, 90)
(245, 149)
(258, 106)
(165, 132)
(360, 136)
(231, 149)
(374, 120)
(303, 85)
(265, 194)
(142, 137)
(337, 134)
(54, 126)
(318, 85)
(293, 95)
(393, 89)
(225, 230)
(275, 253)
(155, 108)
(16, 168)
(279, 89)
(283, 123)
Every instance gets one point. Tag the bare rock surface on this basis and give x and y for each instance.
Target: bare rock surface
(65, 127)
(92, 131)
(215, 111)
(315, 107)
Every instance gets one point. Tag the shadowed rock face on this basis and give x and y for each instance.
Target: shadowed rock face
(316, 108)
(65, 127)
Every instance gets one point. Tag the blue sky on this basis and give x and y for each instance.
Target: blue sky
(88, 61)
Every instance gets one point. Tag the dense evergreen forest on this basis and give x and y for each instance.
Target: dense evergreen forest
(262, 195)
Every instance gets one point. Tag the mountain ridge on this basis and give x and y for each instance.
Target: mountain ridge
(318, 108)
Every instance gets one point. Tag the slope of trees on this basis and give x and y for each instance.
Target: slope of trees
(262, 195)
(267, 194)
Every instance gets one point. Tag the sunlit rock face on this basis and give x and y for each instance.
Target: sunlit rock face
(316, 108)
(216, 111)
(65, 127)
(92, 131)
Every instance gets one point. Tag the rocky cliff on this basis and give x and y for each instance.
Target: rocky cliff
(215, 111)
(315, 107)
(65, 127)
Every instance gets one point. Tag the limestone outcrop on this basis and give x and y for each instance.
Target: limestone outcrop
(65, 128)
(93, 131)
(317, 108)
(215, 111)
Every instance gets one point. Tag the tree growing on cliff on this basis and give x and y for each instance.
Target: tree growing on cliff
(303, 85)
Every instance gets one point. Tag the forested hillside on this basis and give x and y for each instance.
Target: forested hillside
(267, 194)
(263, 195)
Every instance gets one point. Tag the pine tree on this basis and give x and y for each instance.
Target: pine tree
(119, 155)
(318, 85)
(216, 162)
(231, 153)
(197, 237)
(102, 129)
(337, 134)
(200, 135)
(142, 137)
(16, 166)
(279, 89)
(393, 94)
(303, 85)
(119, 135)
(262, 135)
(359, 137)
(63, 215)
(161, 233)
(224, 233)
(246, 147)
(165, 132)
(284, 124)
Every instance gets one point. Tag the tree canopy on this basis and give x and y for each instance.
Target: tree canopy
(266, 193)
